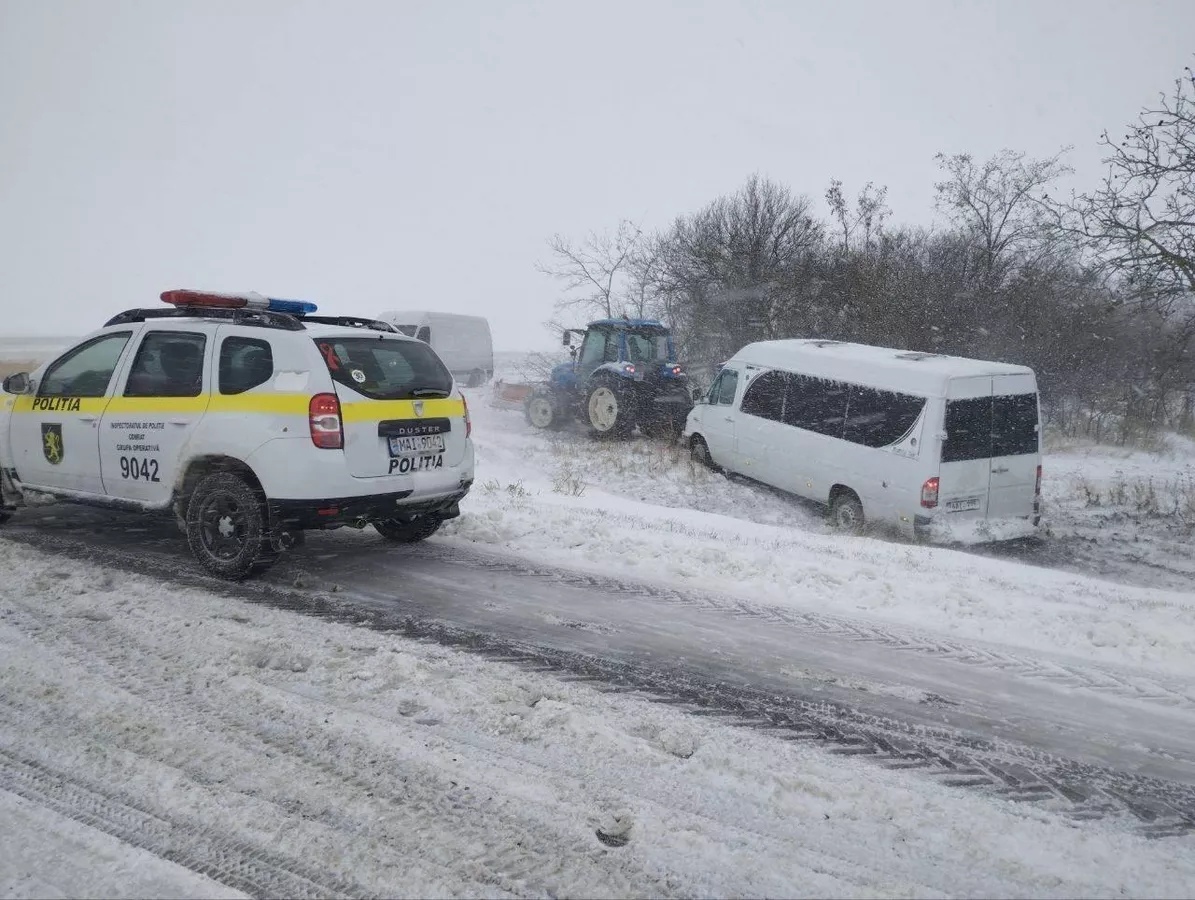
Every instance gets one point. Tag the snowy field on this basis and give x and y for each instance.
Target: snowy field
(644, 509)
(287, 755)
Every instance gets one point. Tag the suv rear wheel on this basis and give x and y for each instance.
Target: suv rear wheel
(407, 532)
(226, 526)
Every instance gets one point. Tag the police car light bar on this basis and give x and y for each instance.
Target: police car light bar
(247, 300)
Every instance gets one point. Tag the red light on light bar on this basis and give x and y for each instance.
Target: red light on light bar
(214, 300)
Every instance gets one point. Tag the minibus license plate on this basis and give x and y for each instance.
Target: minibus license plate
(962, 505)
(416, 444)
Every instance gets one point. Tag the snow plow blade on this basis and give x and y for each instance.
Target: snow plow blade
(507, 395)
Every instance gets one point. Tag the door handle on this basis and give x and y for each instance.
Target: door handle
(1000, 471)
(180, 421)
(728, 418)
(88, 418)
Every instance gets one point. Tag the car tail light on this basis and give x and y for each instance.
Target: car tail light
(324, 417)
(676, 370)
(1037, 485)
(929, 493)
(468, 421)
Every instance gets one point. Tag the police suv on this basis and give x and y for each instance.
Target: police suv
(250, 418)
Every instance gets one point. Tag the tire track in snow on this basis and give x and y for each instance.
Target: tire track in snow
(1149, 688)
(1157, 807)
(247, 867)
(347, 771)
(1071, 675)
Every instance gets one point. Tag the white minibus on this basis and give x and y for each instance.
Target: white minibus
(940, 447)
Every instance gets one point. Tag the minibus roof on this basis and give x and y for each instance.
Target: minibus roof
(924, 374)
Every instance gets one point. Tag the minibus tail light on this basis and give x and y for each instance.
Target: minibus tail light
(929, 493)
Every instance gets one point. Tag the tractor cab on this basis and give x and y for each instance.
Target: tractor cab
(637, 349)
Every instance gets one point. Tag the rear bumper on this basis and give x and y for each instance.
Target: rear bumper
(333, 512)
(294, 467)
(944, 529)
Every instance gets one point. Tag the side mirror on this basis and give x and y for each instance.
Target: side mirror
(17, 384)
(698, 395)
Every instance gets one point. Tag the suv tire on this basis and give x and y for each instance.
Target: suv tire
(226, 526)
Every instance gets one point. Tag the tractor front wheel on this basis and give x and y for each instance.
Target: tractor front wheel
(609, 411)
(542, 411)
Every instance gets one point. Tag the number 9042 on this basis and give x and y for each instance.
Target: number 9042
(139, 468)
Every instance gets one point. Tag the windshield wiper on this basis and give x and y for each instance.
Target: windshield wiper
(430, 392)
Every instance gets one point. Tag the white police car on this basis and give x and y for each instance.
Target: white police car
(250, 418)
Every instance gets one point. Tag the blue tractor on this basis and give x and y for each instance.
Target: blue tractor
(623, 375)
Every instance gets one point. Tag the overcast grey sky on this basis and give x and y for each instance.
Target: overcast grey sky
(376, 155)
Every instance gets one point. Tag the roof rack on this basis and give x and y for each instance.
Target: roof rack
(353, 322)
(253, 317)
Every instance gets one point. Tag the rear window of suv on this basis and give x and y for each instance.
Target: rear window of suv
(385, 369)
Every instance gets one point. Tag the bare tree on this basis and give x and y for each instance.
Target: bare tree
(1141, 222)
(870, 212)
(1000, 203)
(737, 270)
(643, 280)
(593, 270)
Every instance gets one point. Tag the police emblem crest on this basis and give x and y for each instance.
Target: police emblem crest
(51, 442)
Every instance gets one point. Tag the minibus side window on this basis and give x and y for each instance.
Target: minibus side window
(765, 396)
(725, 388)
(878, 418)
(816, 404)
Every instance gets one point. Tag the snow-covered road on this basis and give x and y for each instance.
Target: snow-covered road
(1103, 731)
(283, 754)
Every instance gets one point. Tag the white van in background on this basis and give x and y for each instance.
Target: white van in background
(462, 342)
(938, 446)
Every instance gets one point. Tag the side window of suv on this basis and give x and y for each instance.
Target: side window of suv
(168, 364)
(85, 371)
(245, 363)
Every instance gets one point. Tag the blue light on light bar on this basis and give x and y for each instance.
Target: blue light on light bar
(294, 307)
